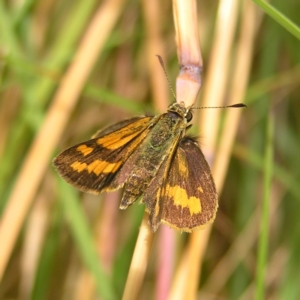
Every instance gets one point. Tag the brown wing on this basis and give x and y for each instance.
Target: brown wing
(183, 195)
(189, 197)
(91, 166)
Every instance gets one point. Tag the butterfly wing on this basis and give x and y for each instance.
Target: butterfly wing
(183, 195)
(91, 166)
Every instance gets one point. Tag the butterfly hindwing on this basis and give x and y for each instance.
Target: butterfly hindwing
(91, 166)
(188, 197)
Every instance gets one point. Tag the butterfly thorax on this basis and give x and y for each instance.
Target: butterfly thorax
(167, 129)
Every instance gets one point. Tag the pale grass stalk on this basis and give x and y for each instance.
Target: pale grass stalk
(188, 82)
(34, 237)
(188, 85)
(38, 157)
(250, 16)
(159, 89)
(139, 261)
(237, 92)
(186, 278)
(226, 21)
(214, 89)
(179, 281)
(155, 46)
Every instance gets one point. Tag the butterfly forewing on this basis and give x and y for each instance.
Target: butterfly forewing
(92, 165)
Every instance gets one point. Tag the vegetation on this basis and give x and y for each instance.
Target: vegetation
(69, 68)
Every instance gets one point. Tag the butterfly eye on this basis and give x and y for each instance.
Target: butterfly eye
(189, 116)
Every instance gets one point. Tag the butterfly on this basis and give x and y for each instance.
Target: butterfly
(154, 160)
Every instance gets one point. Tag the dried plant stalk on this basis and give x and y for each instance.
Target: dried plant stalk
(64, 101)
(188, 82)
(239, 83)
(139, 261)
(192, 259)
(35, 234)
(154, 45)
(250, 19)
(217, 76)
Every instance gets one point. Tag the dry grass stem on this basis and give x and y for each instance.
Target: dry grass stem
(239, 84)
(188, 271)
(155, 46)
(159, 88)
(35, 235)
(179, 281)
(188, 82)
(238, 89)
(139, 261)
(199, 239)
(217, 76)
(63, 103)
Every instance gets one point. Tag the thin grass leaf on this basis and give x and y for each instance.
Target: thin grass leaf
(83, 239)
(265, 214)
(279, 17)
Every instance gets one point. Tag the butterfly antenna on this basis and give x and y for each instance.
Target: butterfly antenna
(163, 66)
(237, 105)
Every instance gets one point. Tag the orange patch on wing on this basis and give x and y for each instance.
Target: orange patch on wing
(84, 149)
(78, 166)
(121, 137)
(102, 166)
(97, 166)
(180, 198)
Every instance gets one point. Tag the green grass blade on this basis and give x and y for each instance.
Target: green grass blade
(279, 17)
(265, 215)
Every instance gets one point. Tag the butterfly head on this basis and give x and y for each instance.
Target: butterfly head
(182, 111)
